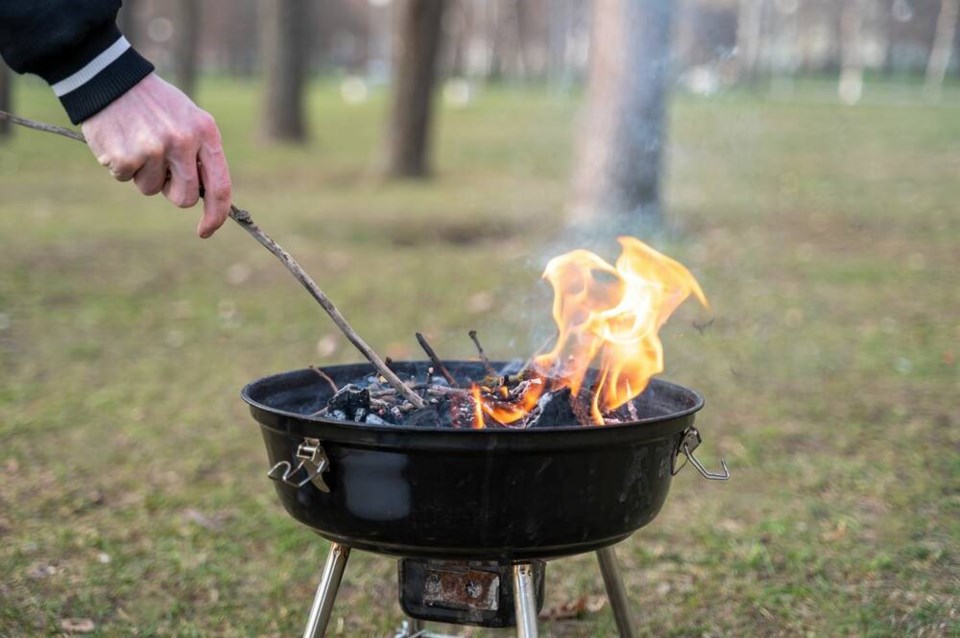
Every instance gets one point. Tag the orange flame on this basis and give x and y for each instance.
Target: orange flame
(607, 317)
(613, 313)
(508, 412)
(478, 405)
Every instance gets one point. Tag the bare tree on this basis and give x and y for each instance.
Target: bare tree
(558, 32)
(415, 60)
(942, 47)
(460, 23)
(185, 45)
(285, 58)
(617, 176)
(749, 29)
(850, 88)
(6, 98)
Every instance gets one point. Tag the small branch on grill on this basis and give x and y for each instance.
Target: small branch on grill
(440, 391)
(483, 355)
(326, 377)
(435, 360)
(243, 218)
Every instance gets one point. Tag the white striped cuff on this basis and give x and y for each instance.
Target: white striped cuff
(96, 65)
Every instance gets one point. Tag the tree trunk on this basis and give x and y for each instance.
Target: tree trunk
(185, 45)
(459, 38)
(414, 73)
(6, 98)
(285, 55)
(749, 28)
(850, 88)
(942, 47)
(495, 40)
(519, 20)
(558, 30)
(617, 178)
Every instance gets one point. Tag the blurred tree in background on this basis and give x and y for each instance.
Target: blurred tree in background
(623, 52)
(186, 39)
(942, 47)
(618, 169)
(418, 39)
(717, 43)
(6, 98)
(285, 40)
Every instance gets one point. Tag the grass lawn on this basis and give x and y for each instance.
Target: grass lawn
(132, 480)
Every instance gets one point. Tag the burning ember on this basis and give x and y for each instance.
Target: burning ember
(606, 350)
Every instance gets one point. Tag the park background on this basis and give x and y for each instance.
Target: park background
(806, 157)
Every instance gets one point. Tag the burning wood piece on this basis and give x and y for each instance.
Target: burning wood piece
(553, 409)
(437, 364)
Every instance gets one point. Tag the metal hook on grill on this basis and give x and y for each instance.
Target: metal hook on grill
(690, 441)
(313, 460)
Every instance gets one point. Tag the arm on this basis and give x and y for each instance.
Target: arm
(137, 125)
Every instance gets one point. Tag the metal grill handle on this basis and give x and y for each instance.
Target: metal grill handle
(688, 443)
(313, 462)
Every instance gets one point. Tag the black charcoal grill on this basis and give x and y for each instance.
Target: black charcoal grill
(471, 514)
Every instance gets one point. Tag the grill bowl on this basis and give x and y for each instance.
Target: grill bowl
(493, 494)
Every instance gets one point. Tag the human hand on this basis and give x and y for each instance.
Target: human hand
(156, 136)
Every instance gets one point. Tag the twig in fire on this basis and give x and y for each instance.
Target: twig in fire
(243, 218)
(326, 377)
(435, 360)
(483, 356)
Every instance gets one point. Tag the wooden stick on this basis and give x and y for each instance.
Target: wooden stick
(40, 126)
(437, 364)
(483, 355)
(243, 218)
(326, 377)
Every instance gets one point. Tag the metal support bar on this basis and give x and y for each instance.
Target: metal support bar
(616, 592)
(416, 626)
(525, 600)
(327, 591)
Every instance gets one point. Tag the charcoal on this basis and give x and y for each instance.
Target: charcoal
(455, 412)
(352, 401)
(555, 410)
(626, 413)
(426, 416)
(373, 419)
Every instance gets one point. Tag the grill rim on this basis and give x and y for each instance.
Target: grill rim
(407, 437)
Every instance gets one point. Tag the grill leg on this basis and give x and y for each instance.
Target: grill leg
(616, 592)
(327, 591)
(525, 600)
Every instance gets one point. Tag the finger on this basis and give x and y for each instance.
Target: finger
(183, 187)
(121, 167)
(217, 188)
(152, 176)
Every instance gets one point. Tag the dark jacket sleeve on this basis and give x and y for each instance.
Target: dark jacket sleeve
(75, 46)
